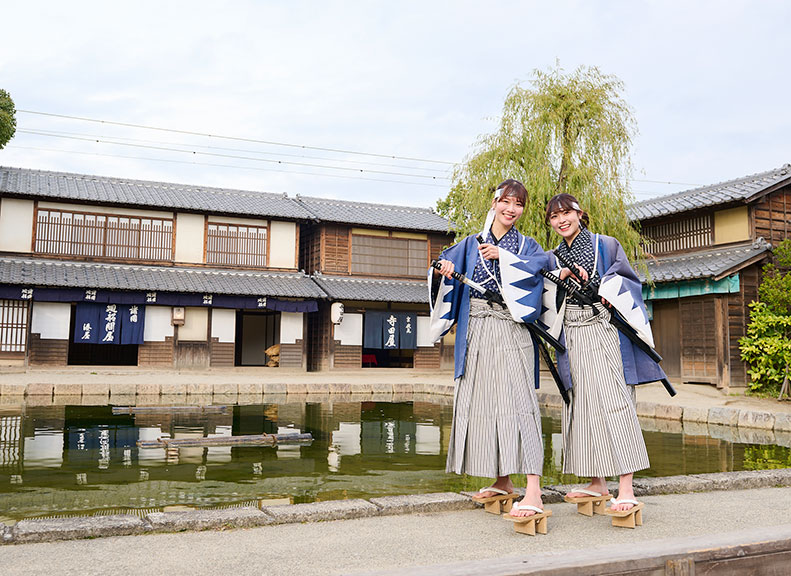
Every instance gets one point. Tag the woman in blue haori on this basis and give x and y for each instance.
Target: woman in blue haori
(496, 428)
(601, 433)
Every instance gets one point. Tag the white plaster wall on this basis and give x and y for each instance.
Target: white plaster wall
(16, 225)
(157, 326)
(190, 230)
(423, 331)
(104, 210)
(239, 221)
(283, 245)
(350, 330)
(290, 327)
(223, 324)
(51, 320)
(196, 324)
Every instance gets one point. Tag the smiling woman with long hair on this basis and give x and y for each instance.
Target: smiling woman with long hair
(496, 427)
(601, 433)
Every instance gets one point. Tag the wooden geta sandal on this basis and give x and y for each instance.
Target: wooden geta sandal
(593, 503)
(529, 524)
(626, 518)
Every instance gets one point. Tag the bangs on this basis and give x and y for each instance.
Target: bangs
(560, 203)
(514, 189)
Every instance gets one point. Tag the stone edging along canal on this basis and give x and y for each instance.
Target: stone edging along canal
(78, 527)
(128, 393)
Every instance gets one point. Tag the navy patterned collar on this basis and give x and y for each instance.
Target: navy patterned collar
(583, 253)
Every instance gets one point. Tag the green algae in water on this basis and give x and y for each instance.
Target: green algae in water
(65, 460)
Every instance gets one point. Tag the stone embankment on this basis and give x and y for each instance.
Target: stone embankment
(78, 527)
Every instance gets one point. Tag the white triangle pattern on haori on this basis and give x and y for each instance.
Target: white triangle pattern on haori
(551, 317)
(513, 276)
(441, 308)
(612, 290)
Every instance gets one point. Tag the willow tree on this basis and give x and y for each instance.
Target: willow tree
(7, 118)
(565, 133)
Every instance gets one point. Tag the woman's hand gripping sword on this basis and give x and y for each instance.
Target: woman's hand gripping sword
(589, 298)
(539, 334)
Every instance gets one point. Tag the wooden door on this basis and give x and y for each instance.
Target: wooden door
(666, 327)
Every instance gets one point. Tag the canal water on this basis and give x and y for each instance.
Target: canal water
(66, 460)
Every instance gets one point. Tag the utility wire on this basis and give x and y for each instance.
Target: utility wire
(119, 138)
(213, 165)
(235, 157)
(239, 139)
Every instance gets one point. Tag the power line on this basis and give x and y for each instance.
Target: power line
(107, 140)
(235, 157)
(214, 165)
(239, 139)
(119, 138)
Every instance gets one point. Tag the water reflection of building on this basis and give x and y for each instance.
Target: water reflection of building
(11, 444)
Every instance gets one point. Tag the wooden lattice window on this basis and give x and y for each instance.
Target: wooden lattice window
(236, 245)
(69, 233)
(384, 255)
(678, 235)
(13, 325)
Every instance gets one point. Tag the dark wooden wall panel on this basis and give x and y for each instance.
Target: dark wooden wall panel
(739, 318)
(335, 242)
(156, 354)
(428, 358)
(347, 356)
(48, 352)
(309, 248)
(222, 353)
(698, 340)
(772, 215)
(436, 243)
(192, 355)
(291, 355)
(318, 346)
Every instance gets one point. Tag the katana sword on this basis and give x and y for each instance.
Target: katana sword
(539, 334)
(587, 297)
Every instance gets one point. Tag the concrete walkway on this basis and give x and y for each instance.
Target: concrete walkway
(400, 543)
(445, 542)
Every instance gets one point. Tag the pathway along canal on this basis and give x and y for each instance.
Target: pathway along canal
(64, 460)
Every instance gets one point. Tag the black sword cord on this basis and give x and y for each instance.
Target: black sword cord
(539, 334)
(615, 317)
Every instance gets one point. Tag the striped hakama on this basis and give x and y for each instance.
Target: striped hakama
(496, 428)
(601, 433)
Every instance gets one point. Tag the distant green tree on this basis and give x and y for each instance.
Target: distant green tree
(567, 133)
(7, 118)
(767, 346)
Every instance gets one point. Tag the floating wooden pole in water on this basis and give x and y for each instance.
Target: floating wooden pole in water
(249, 440)
(169, 409)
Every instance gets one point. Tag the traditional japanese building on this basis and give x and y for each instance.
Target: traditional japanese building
(372, 259)
(707, 247)
(112, 271)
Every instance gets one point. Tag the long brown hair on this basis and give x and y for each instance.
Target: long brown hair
(565, 201)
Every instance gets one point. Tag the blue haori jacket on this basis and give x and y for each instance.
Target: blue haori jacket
(621, 287)
(521, 283)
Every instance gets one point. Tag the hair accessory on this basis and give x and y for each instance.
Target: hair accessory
(576, 206)
(487, 224)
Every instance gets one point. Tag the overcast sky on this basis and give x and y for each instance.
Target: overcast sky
(708, 82)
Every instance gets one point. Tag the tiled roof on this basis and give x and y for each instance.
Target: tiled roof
(371, 289)
(63, 274)
(157, 195)
(378, 215)
(710, 263)
(85, 188)
(739, 190)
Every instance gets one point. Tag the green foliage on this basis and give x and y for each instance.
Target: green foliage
(767, 346)
(7, 118)
(567, 133)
